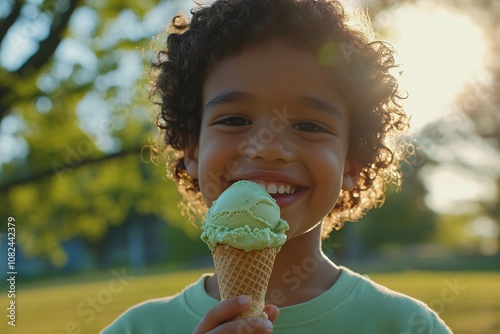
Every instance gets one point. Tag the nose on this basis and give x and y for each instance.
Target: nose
(268, 145)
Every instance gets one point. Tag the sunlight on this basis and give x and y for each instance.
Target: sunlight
(441, 50)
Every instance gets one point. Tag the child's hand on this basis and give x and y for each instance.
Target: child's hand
(214, 321)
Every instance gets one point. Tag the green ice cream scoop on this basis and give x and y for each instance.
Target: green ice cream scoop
(246, 217)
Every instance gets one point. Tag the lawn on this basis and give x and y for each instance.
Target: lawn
(468, 301)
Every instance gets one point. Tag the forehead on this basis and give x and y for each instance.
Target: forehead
(274, 71)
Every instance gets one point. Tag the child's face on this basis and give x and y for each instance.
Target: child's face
(270, 114)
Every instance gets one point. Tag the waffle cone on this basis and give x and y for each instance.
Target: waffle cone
(244, 273)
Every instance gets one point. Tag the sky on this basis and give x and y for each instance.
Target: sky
(442, 50)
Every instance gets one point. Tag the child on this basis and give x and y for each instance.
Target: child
(290, 94)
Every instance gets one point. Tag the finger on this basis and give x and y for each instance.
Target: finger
(272, 312)
(256, 325)
(222, 312)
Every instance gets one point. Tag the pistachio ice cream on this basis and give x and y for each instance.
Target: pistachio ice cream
(246, 217)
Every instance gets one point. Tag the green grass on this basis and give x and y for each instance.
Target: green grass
(90, 303)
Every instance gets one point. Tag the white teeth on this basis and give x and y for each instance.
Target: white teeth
(272, 188)
(278, 188)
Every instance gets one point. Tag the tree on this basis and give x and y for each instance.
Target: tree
(403, 220)
(472, 125)
(75, 113)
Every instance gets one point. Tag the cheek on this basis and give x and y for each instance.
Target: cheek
(217, 166)
(328, 171)
(327, 160)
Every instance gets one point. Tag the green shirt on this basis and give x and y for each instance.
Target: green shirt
(354, 304)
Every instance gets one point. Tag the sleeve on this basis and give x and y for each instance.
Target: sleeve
(425, 321)
(164, 315)
(147, 317)
(125, 323)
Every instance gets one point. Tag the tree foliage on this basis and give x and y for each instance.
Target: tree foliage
(75, 113)
(467, 137)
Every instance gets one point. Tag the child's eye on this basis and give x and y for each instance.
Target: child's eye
(310, 127)
(233, 121)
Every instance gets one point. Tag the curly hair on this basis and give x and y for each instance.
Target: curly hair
(360, 65)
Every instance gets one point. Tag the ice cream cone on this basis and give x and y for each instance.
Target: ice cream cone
(244, 273)
(245, 231)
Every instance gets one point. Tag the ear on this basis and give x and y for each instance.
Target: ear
(352, 170)
(191, 160)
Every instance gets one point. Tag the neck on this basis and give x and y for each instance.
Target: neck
(301, 271)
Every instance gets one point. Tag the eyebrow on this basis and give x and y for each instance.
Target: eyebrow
(319, 103)
(237, 96)
(227, 97)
